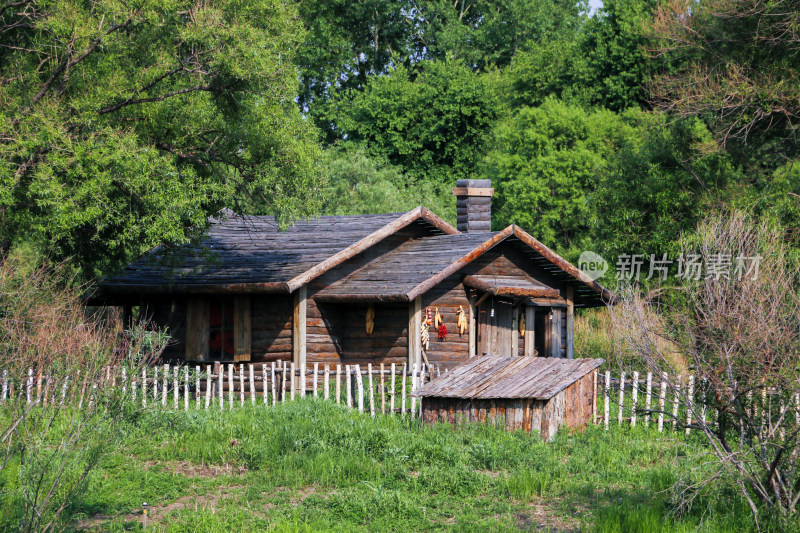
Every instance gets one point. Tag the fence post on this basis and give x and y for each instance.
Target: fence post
(293, 381)
(360, 385)
(5, 385)
(661, 398)
(391, 390)
(383, 392)
(155, 383)
(231, 368)
(690, 403)
(326, 383)
(647, 399)
(606, 398)
(273, 389)
(175, 386)
(348, 384)
(371, 391)
(144, 386)
(316, 369)
(241, 385)
(165, 385)
(635, 398)
(253, 384)
(403, 395)
(284, 366)
(675, 404)
(220, 368)
(621, 397)
(186, 388)
(413, 388)
(209, 381)
(338, 383)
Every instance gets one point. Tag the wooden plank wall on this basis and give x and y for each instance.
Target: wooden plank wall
(447, 296)
(572, 408)
(272, 327)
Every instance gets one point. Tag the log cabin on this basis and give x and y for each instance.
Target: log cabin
(359, 289)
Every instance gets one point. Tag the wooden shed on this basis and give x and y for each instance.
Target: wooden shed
(529, 393)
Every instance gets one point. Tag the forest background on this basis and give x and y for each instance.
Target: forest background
(124, 125)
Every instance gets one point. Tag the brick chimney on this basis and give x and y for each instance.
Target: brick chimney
(473, 205)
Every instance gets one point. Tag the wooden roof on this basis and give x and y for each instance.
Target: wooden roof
(416, 266)
(511, 286)
(247, 254)
(493, 376)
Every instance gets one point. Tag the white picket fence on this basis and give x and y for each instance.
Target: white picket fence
(383, 388)
(635, 399)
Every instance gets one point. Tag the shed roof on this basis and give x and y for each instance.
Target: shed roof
(493, 376)
(251, 254)
(414, 267)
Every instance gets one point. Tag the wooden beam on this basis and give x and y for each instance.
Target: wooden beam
(473, 328)
(504, 290)
(415, 332)
(299, 332)
(570, 323)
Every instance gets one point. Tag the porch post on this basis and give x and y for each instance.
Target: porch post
(570, 322)
(415, 332)
(299, 336)
(530, 330)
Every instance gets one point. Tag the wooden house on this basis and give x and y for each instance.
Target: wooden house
(529, 393)
(358, 289)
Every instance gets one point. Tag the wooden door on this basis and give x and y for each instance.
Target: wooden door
(495, 332)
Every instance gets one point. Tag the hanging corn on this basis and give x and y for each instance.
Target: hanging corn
(461, 323)
(370, 319)
(522, 325)
(426, 340)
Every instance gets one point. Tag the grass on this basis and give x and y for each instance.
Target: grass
(311, 465)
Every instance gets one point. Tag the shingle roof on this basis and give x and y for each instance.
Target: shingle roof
(251, 253)
(414, 267)
(494, 376)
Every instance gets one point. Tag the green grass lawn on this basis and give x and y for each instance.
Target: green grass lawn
(312, 465)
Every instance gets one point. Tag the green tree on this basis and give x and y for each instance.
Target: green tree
(544, 163)
(614, 183)
(604, 63)
(434, 126)
(357, 183)
(351, 41)
(125, 124)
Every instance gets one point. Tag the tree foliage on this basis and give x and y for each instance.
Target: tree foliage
(124, 124)
(603, 62)
(434, 126)
(743, 77)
